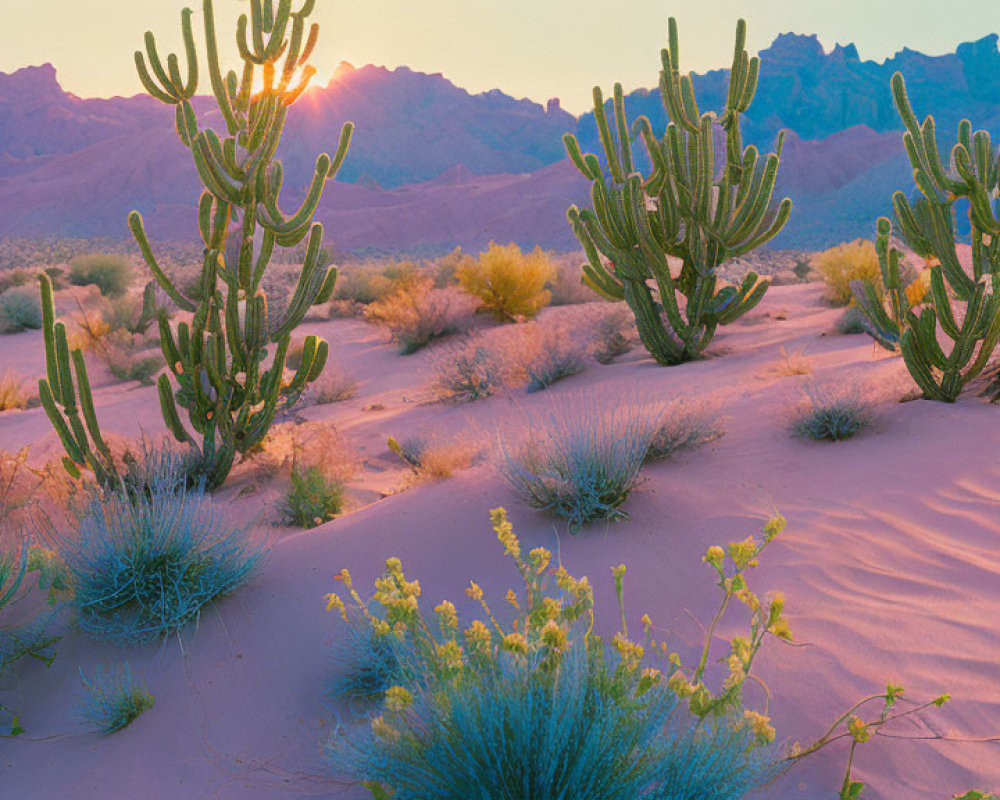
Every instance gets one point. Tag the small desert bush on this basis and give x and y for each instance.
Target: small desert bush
(13, 278)
(579, 461)
(468, 370)
(366, 283)
(446, 269)
(789, 364)
(144, 564)
(551, 356)
(434, 457)
(109, 272)
(851, 321)
(416, 314)
(13, 392)
(540, 708)
(118, 333)
(20, 309)
(510, 284)
(291, 445)
(830, 414)
(844, 263)
(613, 334)
(313, 498)
(332, 386)
(682, 424)
(567, 286)
(20, 487)
(112, 700)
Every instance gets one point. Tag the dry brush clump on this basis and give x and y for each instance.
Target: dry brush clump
(120, 332)
(333, 386)
(790, 364)
(433, 456)
(363, 283)
(680, 425)
(468, 370)
(578, 460)
(15, 392)
(549, 354)
(511, 285)
(417, 313)
(567, 285)
(614, 334)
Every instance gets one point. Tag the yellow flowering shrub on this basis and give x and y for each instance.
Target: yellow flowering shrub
(844, 263)
(510, 284)
(554, 613)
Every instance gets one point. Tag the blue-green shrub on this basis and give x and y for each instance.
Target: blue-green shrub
(580, 461)
(112, 700)
(144, 563)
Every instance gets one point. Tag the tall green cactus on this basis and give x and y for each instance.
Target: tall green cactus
(973, 174)
(218, 360)
(693, 206)
(64, 383)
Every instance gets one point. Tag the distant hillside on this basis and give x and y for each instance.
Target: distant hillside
(433, 166)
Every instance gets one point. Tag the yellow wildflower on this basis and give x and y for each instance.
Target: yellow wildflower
(540, 558)
(858, 729)
(763, 730)
(397, 698)
(447, 614)
(515, 643)
(474, 591)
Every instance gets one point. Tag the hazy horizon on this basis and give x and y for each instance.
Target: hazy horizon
(563, 47)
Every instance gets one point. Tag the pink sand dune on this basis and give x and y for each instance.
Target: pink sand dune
(890, 564)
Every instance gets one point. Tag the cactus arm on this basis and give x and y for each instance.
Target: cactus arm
(87, 405)
(62, 430)
(346, 134)
(215, 74)
(139, 233)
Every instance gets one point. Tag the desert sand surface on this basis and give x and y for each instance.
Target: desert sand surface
(890, 565)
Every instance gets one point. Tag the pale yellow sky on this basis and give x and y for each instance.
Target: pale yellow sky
(527, 48)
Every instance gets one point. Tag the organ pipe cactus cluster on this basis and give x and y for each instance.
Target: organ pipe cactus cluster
(223, 377)
(928, 224)
(696, 206)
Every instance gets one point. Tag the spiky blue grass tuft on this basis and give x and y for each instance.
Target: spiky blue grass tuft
(112, 700)
(144, 563)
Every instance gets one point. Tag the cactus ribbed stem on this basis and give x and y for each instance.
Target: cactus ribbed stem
(682, 210)
(927, 226)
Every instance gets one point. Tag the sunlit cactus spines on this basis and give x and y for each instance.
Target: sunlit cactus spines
(696, 206)
(928, 225)
(222, 376)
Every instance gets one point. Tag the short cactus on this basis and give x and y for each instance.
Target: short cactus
(65, 382)
(687, 208)
(928, 226)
